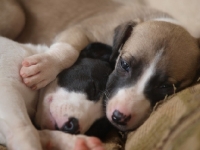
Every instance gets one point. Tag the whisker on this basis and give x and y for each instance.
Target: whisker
(160, 102)
(174, 88)
(166, 96)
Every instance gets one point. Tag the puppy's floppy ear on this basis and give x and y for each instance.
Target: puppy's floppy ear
(121, 35)
(97, 51)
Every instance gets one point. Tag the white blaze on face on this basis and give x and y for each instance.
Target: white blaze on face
(67, 104)
(131, 100)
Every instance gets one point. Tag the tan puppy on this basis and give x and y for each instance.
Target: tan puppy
(156, 54)
(156, 59)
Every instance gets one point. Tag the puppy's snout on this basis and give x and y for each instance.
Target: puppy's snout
(120, 118)
(71, 126)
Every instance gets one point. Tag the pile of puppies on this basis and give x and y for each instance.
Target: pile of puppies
(151, 57)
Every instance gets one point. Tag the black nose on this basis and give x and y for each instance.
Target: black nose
(120, 118)
(71, 126)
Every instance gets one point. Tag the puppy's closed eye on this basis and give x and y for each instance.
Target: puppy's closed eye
(165, 86)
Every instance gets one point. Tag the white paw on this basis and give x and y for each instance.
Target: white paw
(39, 70)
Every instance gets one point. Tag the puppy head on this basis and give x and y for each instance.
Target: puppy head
(154, 59)
(73, 102)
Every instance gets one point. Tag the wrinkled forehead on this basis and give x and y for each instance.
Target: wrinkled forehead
(149, 37)
(173, 44)
(152, 36)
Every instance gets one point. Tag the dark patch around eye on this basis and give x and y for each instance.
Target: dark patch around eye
(158, 87)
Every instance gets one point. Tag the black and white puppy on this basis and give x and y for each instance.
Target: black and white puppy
(73, 102)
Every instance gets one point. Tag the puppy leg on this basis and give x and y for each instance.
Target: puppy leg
(24, 138)
(59, 141)
(15, 125)
(40, 69)
(88, 143)
(17, 101)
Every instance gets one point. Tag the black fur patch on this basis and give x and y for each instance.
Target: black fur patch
(88, 76)
(90, 73)
(158, 87)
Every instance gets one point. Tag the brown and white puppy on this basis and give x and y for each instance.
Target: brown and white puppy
(156, 59)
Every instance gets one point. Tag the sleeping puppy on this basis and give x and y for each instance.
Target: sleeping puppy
(72, 103)
(154, 60)
(155, 55)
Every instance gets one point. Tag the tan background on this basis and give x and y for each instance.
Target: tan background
(187, 12)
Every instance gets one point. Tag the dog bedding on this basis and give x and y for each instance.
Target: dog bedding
(174, 125)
